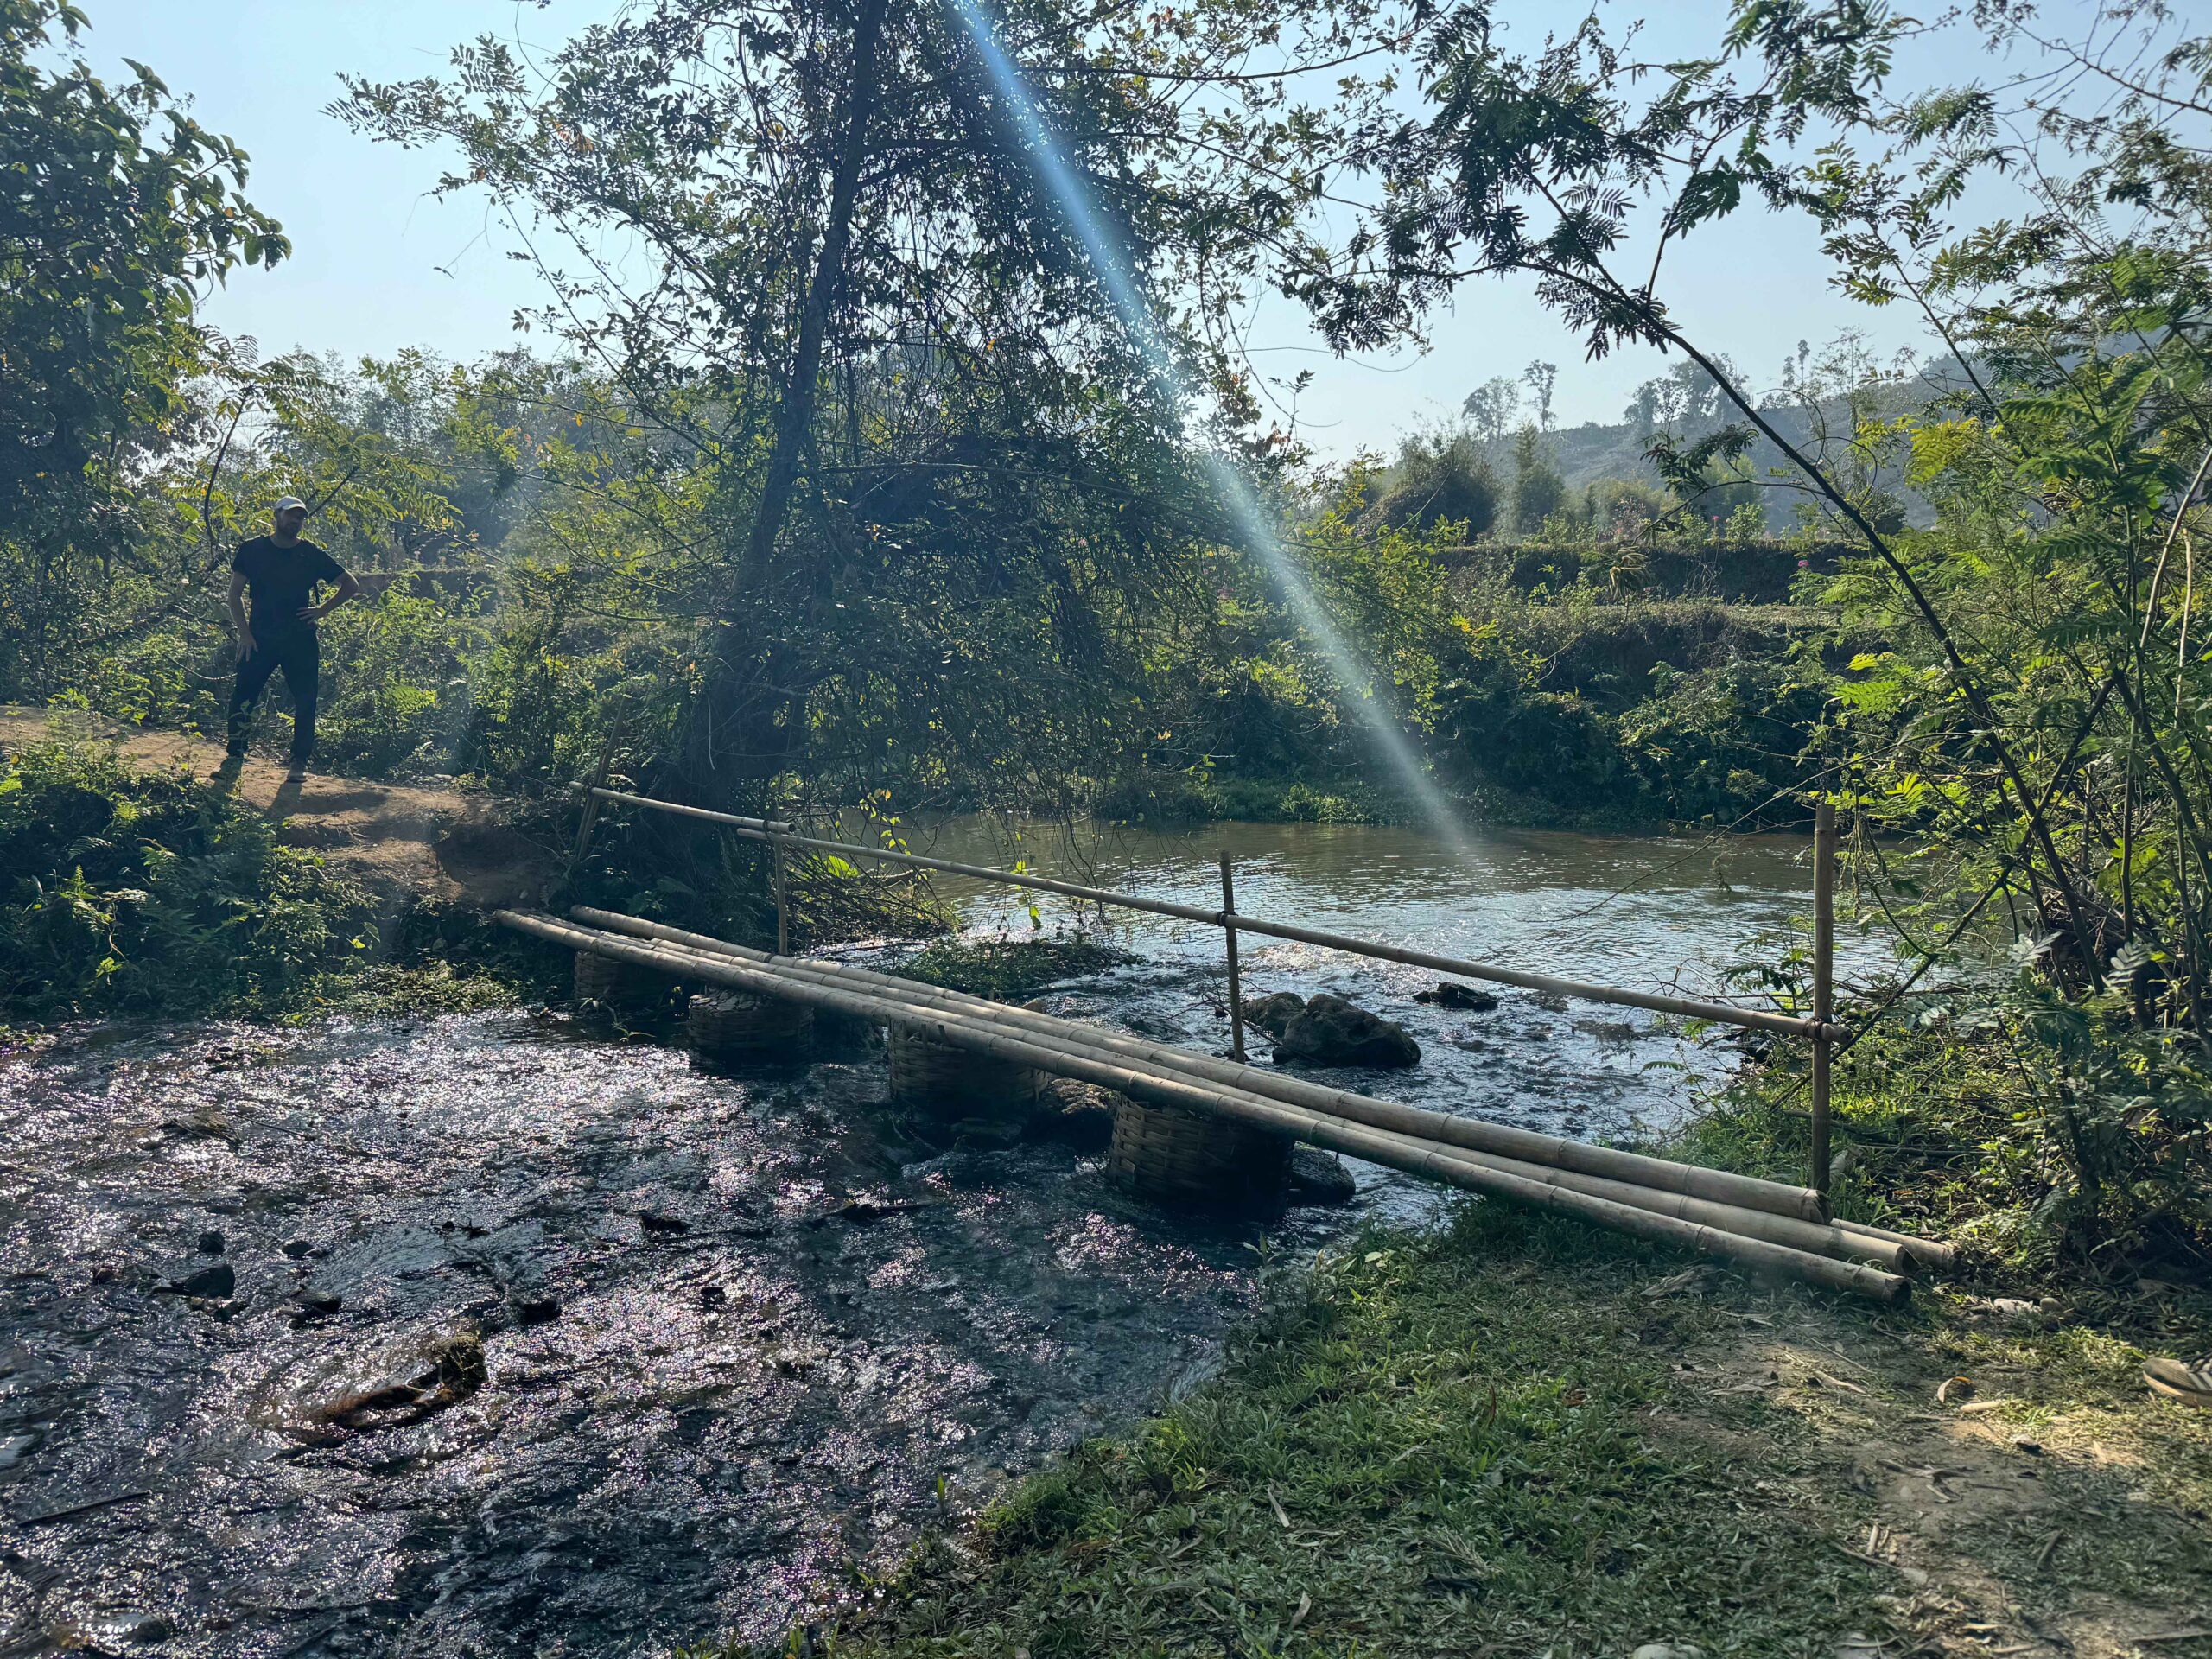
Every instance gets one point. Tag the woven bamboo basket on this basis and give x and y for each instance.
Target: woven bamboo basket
(958, 1082)
(735, 1028)
(1181, 1161)
(612, 984)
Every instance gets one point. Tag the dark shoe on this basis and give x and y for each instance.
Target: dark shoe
(236, 752)
(2190, 1384)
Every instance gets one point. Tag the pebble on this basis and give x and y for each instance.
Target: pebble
(216, 1281)
(133, 1628)
(315, 1300)
(1669, 1650)
(211, 1243)
(538, 1308)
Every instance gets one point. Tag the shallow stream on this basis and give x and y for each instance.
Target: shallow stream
(739, 1334)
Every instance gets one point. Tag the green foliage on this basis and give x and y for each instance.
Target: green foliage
(1539, 493)
(1007, 969)
(2046, 1136)
(1440, 480)
(148, 893)
(114, 207)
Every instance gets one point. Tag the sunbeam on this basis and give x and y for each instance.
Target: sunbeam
(1357, 681)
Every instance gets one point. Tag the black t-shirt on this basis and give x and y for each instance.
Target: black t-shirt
(281, 581)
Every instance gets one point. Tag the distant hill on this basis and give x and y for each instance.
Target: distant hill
(1596, 452)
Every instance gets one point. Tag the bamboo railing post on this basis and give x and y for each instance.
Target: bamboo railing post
(1229, 932)
(783, 899)
(1823, 985)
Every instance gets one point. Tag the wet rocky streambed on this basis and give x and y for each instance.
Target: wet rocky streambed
(491, 1335)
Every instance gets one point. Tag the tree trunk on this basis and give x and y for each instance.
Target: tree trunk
(740, 729)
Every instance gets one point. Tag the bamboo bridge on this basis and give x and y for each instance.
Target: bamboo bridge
(1760, 1225)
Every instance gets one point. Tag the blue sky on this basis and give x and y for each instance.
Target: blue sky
(380, 265)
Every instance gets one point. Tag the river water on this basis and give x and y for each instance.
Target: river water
(710, 1344)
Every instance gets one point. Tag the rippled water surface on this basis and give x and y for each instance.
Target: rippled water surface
(738, 1334)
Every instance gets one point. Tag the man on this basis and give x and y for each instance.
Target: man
(282, 572)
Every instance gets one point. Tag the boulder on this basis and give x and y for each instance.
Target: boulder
(1078, 1115)
(1320, 1178)
(1452, 995)
(1329, 1031)
(1272, 1014)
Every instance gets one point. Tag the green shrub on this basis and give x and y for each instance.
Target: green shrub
(151, 893)
(2045, 1135)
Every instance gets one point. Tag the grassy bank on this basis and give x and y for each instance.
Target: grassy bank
(1521, 1436)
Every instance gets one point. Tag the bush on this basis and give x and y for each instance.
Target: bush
(1724, 743)
(152, 893)
(396, 674)
(1441, 480)
(2046, 1135)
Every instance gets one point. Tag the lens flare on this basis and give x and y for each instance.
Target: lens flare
(1359, 682)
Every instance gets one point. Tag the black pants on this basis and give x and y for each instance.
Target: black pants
(298, 653)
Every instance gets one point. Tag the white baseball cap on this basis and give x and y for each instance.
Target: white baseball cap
(286, 503)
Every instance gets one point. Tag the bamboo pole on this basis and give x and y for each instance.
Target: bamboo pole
(1229, 934)
(759, 827)
(783, 901)
(1500, 1139)
(1932, 1253)
(1335, 1133)
(1895, 1253)
(1823, 985)
(1657, 1001)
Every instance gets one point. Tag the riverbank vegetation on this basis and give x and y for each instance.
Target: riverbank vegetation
(139, 890)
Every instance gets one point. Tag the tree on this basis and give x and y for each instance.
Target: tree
(1543, 377)
(1539, 491)
(1440, 480)
(1491, 407)
(1535, 167)
(866, 295)
(114, 207)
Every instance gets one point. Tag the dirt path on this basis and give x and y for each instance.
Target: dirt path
(386, 834)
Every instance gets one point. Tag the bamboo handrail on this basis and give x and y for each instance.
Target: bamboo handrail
(1334, 1133)
(1894, 1253)
(758, 826)
(1498, 1140)
(1657, 1001)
